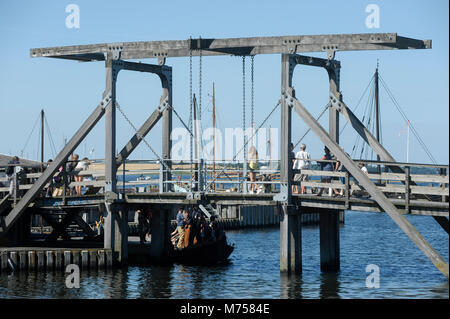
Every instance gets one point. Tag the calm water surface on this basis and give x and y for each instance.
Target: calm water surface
(253, 269)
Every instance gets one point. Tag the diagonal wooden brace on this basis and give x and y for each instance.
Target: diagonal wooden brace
(370, 187)
(352, 119)
(60, 159)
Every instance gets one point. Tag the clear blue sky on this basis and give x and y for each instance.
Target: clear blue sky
(69, 91)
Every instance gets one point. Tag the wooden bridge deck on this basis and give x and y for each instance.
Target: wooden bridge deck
(305, 202)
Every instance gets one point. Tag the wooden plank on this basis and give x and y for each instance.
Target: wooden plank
(323, 185)
(429, 190)
(430, 178)
(234, 46)
(322, 173)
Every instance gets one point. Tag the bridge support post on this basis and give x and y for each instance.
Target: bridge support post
(329, 241)
(160, 233)
(290, 223)
(290, 241)
(116, 223)
(166, 131)
(329, 219)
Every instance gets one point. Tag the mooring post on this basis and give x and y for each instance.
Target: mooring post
(290, 224)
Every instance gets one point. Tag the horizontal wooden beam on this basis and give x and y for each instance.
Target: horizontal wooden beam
(234, 46)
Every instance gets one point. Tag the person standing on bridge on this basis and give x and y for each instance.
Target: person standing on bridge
(11, 171)
(302, 161)
(82, 165)
(327, 166)
(253, 166)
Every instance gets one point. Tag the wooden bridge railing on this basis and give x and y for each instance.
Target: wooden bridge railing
(420, 181)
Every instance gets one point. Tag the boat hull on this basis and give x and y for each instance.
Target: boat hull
(208, 253)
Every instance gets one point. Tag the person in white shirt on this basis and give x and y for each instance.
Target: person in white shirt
(302, 161)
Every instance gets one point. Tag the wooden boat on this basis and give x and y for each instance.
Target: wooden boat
(209, 252)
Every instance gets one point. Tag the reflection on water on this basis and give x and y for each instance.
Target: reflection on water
(253, 269)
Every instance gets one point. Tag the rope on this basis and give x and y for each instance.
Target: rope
(416, 134)
(357, 105)
(29, 136)
(309, 129)
(52, 143)
(142, 137)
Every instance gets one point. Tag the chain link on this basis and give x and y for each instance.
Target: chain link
(191, 119)
(200, 88)
(252, 118)
(243, 147)
(243, 104)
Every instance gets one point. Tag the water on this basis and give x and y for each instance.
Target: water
(253, 270)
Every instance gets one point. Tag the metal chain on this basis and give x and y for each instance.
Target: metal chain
(252, 119)
(243, 103)
(200, 88)
(141, 136)
(191, 118)
(244, 146)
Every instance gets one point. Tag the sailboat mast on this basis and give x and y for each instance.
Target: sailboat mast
(214, 136)
(42, 140)
(377, 114)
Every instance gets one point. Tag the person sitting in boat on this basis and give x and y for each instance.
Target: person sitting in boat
(180, 227)
(215, 228)
(205, 230)
(195, 225)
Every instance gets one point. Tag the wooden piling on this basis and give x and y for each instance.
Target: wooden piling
(92, 259)
(67, 258)
(14, 257)
(40, 260)
(50, 262)
(58, 260)
(109, 261)
(76, 257)
(4, 261)
(32, 260)
(22, 260)
(84, 259)
(101, 259)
